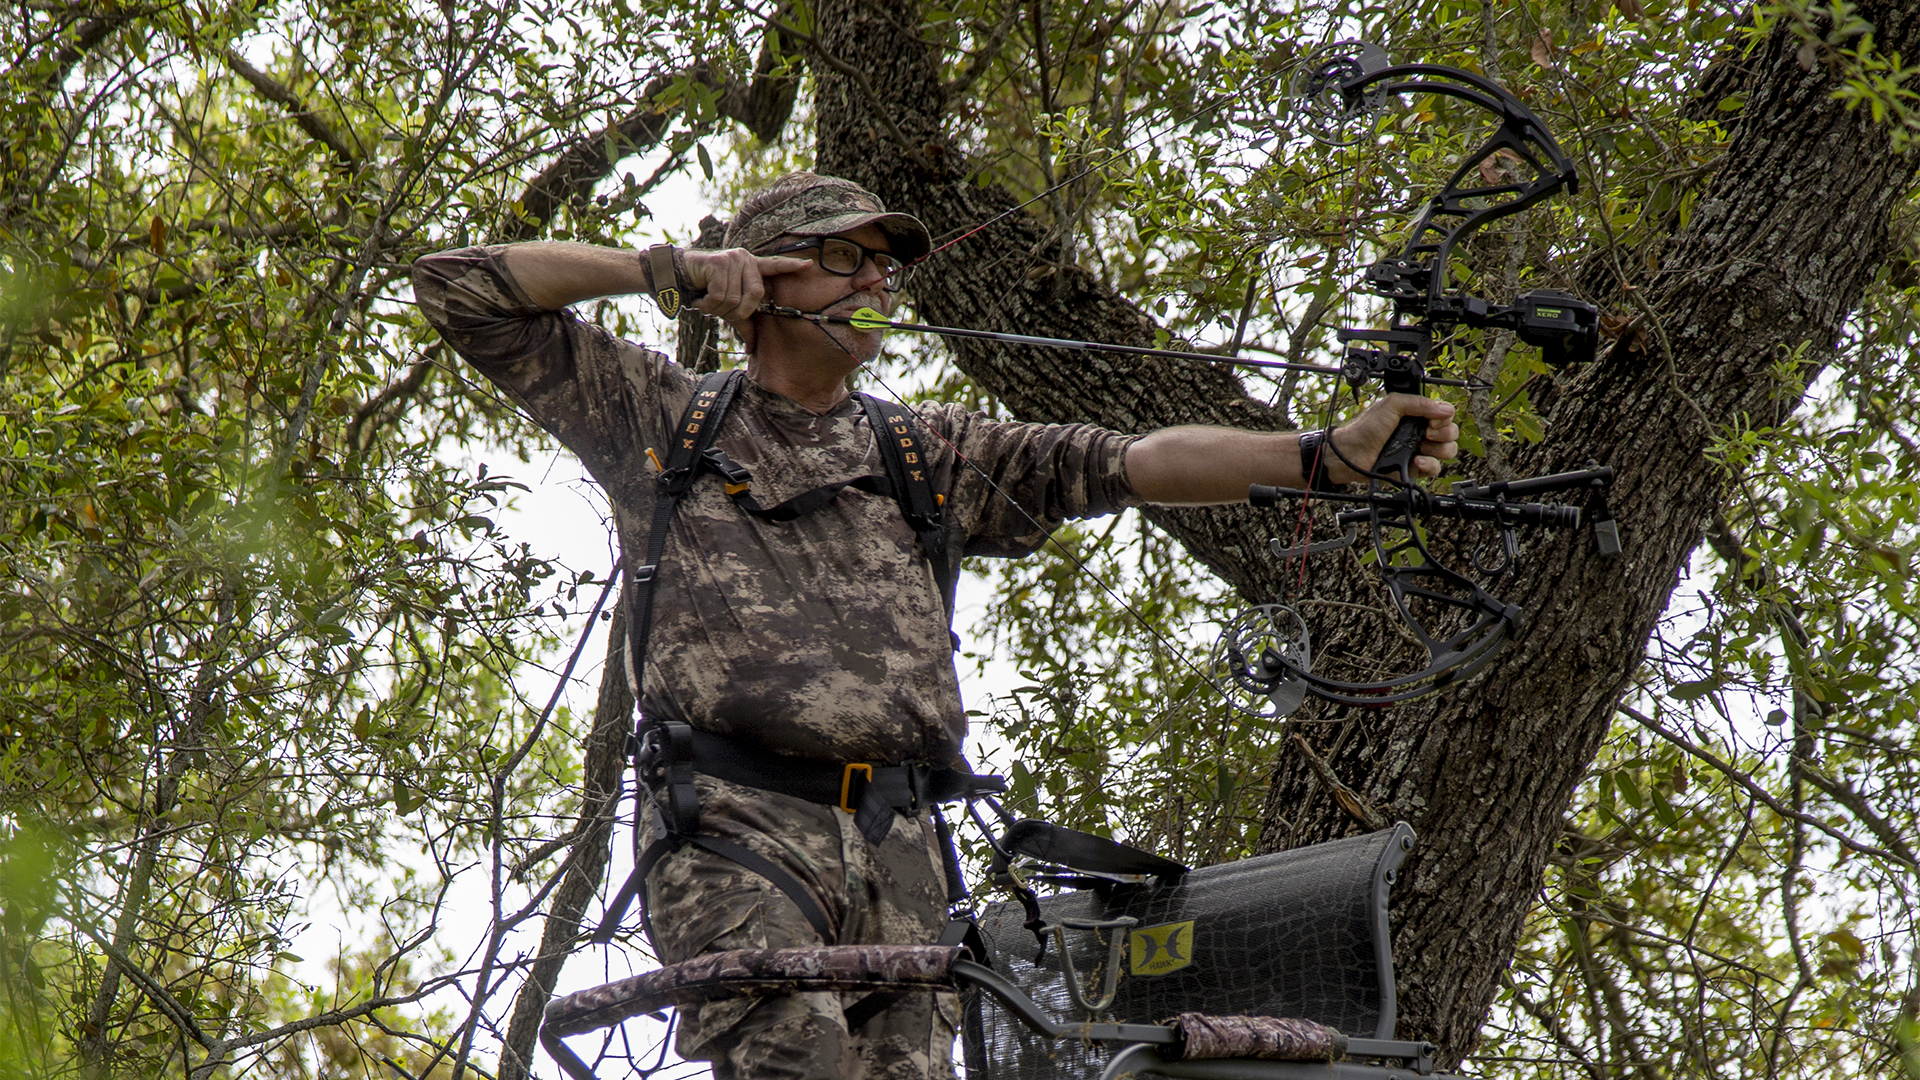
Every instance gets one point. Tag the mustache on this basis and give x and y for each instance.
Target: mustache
(873, 298)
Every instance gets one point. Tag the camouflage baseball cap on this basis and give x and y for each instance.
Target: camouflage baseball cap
(809, 204)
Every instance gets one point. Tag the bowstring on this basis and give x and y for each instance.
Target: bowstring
(1080, 565)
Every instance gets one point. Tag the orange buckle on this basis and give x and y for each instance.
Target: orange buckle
(846, 783)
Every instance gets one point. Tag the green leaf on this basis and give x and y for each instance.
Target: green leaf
(1695, 689)
(1629, 789)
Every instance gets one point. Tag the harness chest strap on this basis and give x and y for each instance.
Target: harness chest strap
(699, 426)
(907, 481)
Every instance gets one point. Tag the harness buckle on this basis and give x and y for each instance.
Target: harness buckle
(848, 797)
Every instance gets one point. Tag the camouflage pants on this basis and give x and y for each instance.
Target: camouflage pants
(893, 893)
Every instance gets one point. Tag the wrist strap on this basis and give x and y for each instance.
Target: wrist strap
(662, 267)
(1313, 460)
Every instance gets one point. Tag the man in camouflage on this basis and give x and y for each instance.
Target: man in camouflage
(823, 639)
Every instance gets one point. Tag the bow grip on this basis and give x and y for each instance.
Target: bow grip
(1396, 457)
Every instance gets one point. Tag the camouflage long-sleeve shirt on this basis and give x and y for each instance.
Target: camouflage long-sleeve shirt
(825, 637)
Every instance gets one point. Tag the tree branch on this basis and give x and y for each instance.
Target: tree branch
(761, 106)
(1747, 784)
(1350, 800)
(606, 746)
(277, 92)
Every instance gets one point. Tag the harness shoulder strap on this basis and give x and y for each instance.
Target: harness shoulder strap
(907, 467)
(699, 426)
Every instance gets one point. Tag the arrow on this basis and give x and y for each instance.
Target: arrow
(868, 319)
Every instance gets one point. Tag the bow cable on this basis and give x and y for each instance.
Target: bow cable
(867, 318)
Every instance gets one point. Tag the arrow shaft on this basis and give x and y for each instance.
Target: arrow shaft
(1096, 346)
(866, 320)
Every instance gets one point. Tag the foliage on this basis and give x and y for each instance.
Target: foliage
(267, 643)
(265, 640)
(1734, 895)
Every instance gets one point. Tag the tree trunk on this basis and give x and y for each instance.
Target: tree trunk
(1777, 254)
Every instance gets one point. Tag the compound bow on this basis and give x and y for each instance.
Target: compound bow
(1266, 652)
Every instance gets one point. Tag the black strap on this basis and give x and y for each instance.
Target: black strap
(1060, 846)
(906, 462)
(958, 933)
(699, 426)
(781, 880)
(636, 885)
(950, 857)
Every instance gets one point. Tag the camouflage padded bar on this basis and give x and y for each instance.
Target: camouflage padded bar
(754, 972)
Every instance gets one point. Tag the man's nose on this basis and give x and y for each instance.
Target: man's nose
(869, 276)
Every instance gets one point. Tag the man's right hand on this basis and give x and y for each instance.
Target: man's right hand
(735, 283)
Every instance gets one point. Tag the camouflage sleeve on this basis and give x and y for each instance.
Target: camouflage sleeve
(576, 380)
(1051, 471)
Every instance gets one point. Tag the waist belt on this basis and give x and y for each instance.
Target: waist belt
(872, 792)
(670, 754)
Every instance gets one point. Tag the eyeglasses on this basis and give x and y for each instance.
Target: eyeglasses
(838, 255)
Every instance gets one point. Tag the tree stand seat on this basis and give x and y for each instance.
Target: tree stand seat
(1274, 968)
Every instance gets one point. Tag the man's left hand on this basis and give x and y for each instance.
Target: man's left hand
(1361, 438)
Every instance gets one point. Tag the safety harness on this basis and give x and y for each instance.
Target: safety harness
(669, 754)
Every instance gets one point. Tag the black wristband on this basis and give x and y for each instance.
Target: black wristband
(1314, 460)
(663, 272)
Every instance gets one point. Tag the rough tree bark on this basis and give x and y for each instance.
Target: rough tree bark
(1777, 254)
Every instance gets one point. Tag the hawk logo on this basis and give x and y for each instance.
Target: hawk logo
(1159, 949)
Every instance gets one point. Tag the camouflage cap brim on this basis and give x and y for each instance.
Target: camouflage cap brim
(909, 237)
(824, 206)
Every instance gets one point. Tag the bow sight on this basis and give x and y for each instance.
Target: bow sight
(1266, 652)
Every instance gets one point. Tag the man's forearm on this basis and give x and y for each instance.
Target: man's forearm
(1198, 466)
(556, 273)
